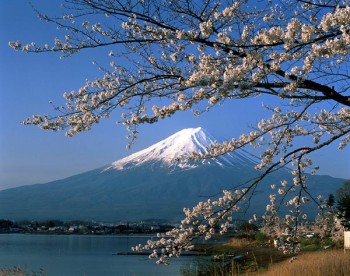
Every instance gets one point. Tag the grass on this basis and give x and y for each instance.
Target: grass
(317, 244)
(256, 255)
(261, 258)
(320, 263)
(240, 243)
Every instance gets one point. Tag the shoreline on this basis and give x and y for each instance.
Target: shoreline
(136, 235)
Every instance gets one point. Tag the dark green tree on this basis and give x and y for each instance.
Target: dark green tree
(344, 207)
(331, 200)
(5, 224)
(343, 204)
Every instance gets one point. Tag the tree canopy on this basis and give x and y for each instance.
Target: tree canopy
(343, 203)
(197, 54)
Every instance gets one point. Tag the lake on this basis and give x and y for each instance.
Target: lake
(81, 255)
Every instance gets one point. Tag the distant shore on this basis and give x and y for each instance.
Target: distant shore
(57, 227)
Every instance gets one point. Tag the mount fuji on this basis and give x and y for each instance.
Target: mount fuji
(174, 152)
(154, 183)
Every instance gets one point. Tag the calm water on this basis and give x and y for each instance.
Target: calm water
(80, 255)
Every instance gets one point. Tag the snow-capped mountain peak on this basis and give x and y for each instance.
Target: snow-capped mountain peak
(172, 152)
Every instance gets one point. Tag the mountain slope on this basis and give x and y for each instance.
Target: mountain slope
(152, 183)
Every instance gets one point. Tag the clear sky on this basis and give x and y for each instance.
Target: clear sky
(28, 82)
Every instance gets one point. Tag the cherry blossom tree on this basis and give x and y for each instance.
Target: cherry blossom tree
(194, 55)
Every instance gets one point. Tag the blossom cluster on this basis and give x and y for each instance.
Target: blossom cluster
(202, 221)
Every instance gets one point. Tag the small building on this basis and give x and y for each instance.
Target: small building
(346, 239)
(155, 228)
(73, 229)
(346, 226)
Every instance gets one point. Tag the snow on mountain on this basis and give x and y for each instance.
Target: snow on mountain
(172, 152)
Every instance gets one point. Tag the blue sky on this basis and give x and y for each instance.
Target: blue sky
(28, 82)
